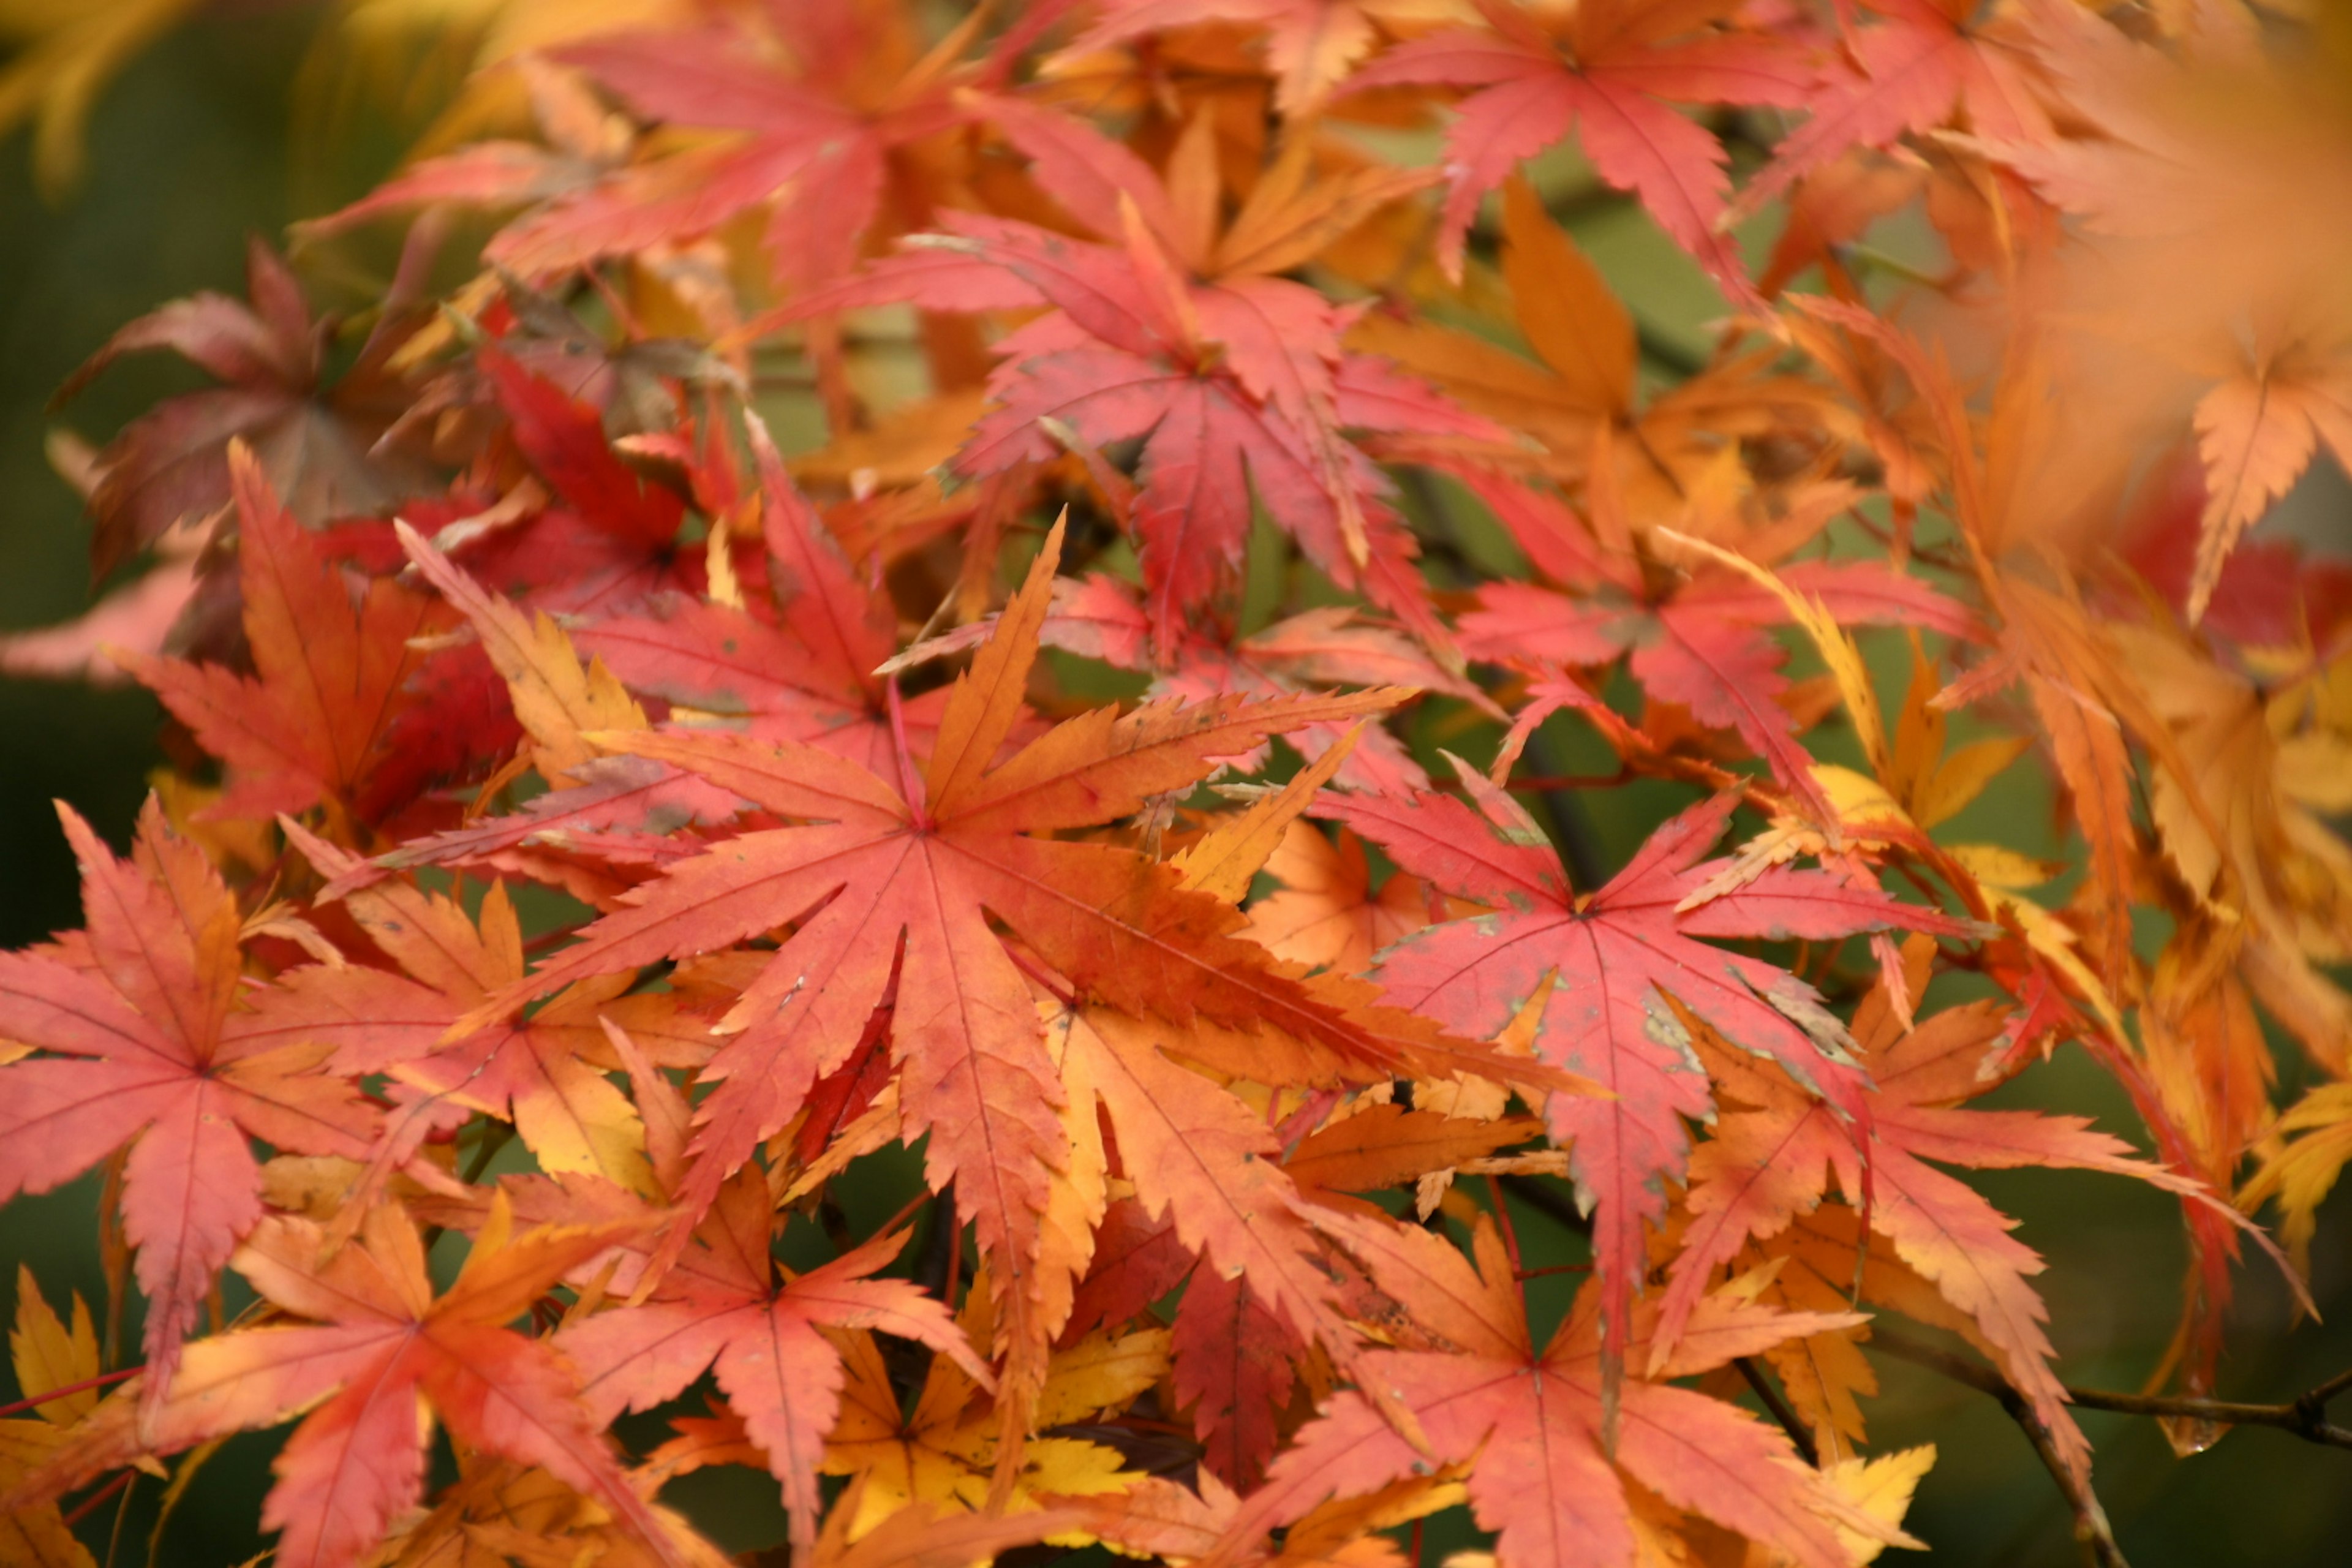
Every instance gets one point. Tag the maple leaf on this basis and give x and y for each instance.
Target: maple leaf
(1609, 73)
(802, 667)
(1700, 642)
(1926, 59)
(887, 882)
(1546, 1480)
(2189, 191)
(1207, 1164)
(941, 1452)
(2317, 1133)
(315, 443)
(1310, 44)
(46, 1356)
(1103, 618)
(820, 99)
(556, 701)
(379, 1349)
(316, 721)
(722, 1306)
(144, 1040)
(586, 142)
(2241, 821)
(1325, 914)
(1612, 959)
(1583, 337)
(1771, 1159)
(1234, 380)
(607, 539)
(546, 1073)
(1662, 454)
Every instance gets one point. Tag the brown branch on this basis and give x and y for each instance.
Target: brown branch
(2091, 1527)
(1798, 1432)
(2305, 1415)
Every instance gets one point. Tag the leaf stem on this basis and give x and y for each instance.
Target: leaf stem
(1543, 784)
(97, 1499)
(100, 1380)
(910, 783)
(1503, 1222)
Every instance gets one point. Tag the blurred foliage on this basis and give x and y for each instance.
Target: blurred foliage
(153, 136)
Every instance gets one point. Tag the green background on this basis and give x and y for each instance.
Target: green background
(191, 151)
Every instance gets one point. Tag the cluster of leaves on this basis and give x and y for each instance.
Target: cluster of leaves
(607, 830)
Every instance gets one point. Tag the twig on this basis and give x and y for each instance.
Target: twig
(1778, 1409)
(2305, 1415)
(2091, 1525)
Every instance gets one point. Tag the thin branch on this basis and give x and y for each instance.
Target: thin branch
(1778, 1407)
(2091, 1527)
(2305, 1415)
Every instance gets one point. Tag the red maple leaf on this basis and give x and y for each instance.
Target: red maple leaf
(1604, 965)
(323, 718)
(887, 881)
(1698, 639)
(144, 1039)
(1909, 74)
(1774, 1149)
(721, 1307)
(819, 95)
(608, 538)
(1610, 72)
(1234, 380)
(803, 665)
(1550, 1477)
(380, 1347)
